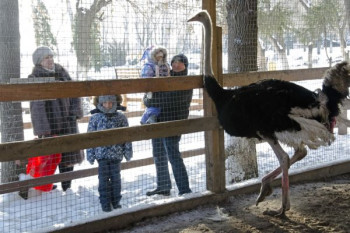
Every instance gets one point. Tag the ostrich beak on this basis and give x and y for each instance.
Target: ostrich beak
(193, 18)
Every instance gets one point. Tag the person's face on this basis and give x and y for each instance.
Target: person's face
(159, 57)
(178, 66)
(108, 104)
(47, 62)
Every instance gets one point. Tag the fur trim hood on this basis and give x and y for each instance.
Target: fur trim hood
(155, 51)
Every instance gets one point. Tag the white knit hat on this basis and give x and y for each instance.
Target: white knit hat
(40, 53)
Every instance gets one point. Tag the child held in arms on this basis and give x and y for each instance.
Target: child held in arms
(109, 157)
(156, 66)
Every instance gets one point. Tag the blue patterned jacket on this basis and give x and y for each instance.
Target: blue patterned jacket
(103, 121)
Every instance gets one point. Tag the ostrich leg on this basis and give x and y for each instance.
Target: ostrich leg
(266, 188)
(284, 161)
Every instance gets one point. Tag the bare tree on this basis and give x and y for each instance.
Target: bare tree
(42, 27)
(347, 10)
(242, 35)
(242, 56)
(307, 35)
(10, 112)
(85, 41)
(328, 18)
(274, 22)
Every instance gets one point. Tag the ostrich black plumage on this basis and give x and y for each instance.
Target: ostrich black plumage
(277, 111)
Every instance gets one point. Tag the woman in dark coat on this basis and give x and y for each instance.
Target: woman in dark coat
(58, 116)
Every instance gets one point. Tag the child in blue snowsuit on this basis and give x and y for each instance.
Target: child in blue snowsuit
(156, 66)
(109, 157)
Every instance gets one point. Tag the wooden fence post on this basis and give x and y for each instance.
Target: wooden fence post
(214, 140)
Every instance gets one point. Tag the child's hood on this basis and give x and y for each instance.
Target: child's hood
(155, 51)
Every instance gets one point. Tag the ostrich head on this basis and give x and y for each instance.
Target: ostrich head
(204, 18)
(339, 78)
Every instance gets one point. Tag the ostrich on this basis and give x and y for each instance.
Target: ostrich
(277, 112)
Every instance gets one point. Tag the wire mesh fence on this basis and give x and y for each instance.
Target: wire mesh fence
(106, 40)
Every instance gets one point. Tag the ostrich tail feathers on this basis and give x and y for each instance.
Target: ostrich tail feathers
(212, 86)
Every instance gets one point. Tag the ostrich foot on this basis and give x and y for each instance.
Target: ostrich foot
(265, 191)
(280, 213)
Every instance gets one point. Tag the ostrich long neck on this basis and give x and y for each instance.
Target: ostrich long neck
(208, 40)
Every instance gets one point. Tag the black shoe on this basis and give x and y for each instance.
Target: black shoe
(117, 206)
(23, 194)
(160, 192)
(66, 185)
(185, 192)
(54, 187)
(107, 208)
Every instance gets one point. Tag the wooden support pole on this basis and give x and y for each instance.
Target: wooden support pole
(214, 139)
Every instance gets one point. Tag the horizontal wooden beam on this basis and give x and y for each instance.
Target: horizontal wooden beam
(53, 90)
(23, 150)
(21, 185)
(38, 91)
(85, 119)
(241, 79)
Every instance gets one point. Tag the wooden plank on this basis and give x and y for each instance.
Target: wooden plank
(26, 149)
(85, 119)
(196, 107)
(197, 101)
(25, 92)
(122, 74)
(19, 185)
(133, 99)
(32, 80)
(129, 69)
(246, 78)
(39, 91)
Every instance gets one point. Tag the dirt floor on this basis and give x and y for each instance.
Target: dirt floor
(315, 207)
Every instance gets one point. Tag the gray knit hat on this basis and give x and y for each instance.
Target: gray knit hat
(40, 53)
(106, 98)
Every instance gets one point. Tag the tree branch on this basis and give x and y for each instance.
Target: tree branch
(98, 5)
(305, 5)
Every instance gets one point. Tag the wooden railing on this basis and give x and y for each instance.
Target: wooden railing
(135, 73)
(196, 105)
(127, 72)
